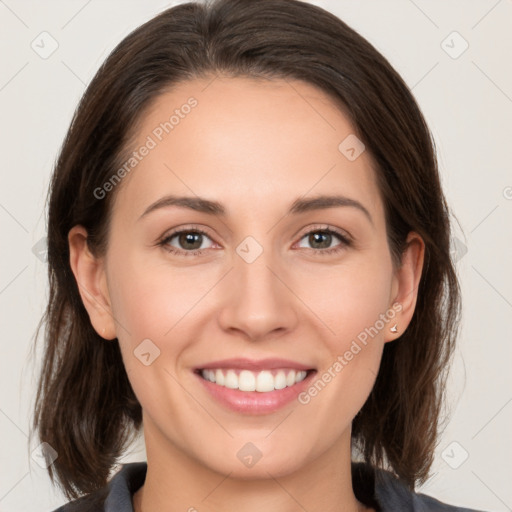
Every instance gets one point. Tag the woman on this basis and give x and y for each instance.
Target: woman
(293, 356)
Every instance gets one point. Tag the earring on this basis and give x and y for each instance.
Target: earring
(393, 329)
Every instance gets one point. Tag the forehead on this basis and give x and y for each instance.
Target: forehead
(244, 141)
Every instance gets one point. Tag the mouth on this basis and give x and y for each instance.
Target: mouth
(254, 387)
(263, 381)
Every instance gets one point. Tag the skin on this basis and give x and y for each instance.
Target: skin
(254, 146)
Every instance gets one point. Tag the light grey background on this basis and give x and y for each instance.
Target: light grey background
(467, 101)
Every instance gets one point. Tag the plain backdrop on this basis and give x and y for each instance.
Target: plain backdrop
(454, 55)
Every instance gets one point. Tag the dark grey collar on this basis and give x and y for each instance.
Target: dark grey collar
(374, 487)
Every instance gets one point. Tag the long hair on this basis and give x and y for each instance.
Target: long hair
(85, 407)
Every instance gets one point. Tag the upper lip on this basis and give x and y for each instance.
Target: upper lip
(254, 365)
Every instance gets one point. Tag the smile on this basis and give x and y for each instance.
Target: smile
(261, 381)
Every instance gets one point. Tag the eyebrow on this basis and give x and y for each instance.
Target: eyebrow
(300, 205)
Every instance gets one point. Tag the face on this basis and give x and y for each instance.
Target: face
(264, 281)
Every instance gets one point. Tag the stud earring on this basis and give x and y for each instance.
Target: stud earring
(393, 329)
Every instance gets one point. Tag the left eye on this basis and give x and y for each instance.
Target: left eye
(324, 238)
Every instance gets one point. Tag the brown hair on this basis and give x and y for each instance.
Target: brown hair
(85, 407)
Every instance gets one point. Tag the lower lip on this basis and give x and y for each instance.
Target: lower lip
(255, 402)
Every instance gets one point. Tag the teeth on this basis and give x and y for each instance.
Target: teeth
(219, 377)
(246, 380)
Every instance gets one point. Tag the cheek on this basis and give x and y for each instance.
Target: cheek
(150, 299)
(350, 309)
(347, 300)
(151, 305)
(159, 309)
(339, 392)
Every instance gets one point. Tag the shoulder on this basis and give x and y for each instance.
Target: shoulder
(116, 496)
(392, 494)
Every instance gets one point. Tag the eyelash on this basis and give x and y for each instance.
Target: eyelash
(346, 241)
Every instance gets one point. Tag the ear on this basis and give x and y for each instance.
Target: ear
(405, 284)
(90, 276)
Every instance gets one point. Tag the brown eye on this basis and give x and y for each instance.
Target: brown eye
(187, 242)
(322, 238)
(320, 241)
(190, 240)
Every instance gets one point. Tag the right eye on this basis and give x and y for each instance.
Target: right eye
(190, 242)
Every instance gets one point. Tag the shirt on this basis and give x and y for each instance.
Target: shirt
(374, 487)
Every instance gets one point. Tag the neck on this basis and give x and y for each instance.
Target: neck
(177, 481)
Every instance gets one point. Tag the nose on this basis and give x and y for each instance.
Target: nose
(258, 300)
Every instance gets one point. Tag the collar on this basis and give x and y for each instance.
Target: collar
(375, 488)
